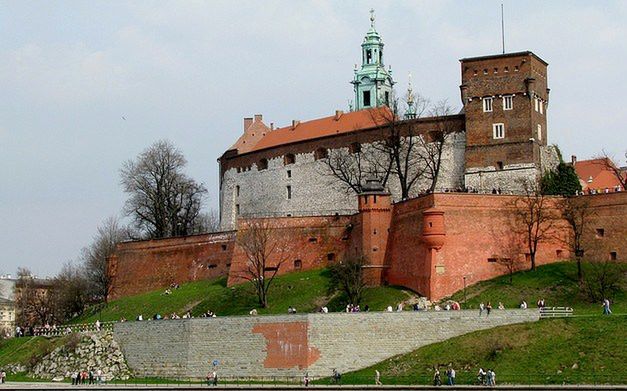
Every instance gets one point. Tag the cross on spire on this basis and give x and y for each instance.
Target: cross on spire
(372, 17)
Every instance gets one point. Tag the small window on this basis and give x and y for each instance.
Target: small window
(237, 191)
(492, 260)
(313, 240)
(474, 72)
(506, 69)
(496, 70)
(368, 56)
(289, 159)
(354, 148)
(613, 255)
(508, 102)
(541, 107)
(498, 131)
(321, 153)
(289, 173)
(224, 247)
(366, 98)
(559, 253)
(212, 266)
(387, 98)
(237, 209)
(600, 232)
(485, 71)
(298, 264)
(499, 166)
(289, 192)
(516, 68)
(262, 164)
(239, 170)
(537, 104)
(539, 132)
(487, 105)
(331, 257)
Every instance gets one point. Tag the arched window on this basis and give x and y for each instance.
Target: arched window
(289, 159)
(321, 153)
(298, 264)
(262, 164)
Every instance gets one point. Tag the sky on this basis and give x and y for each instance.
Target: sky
(87, 85)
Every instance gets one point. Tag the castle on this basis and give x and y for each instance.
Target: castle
(433, 242)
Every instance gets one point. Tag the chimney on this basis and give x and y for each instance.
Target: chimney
(573, 160)
(338, 114)
(258, 117)
(271, 125)
(295, 123)
(247, 122)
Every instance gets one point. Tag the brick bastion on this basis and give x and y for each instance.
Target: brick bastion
(290, 345)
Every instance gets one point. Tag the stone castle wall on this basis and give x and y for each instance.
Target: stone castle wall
(292, 345)
(314, 190)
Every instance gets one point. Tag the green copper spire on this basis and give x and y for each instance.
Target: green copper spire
(372, 83)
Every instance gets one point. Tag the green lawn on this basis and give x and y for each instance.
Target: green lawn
(306, 291)
(576, 350)
(556, 283)
(22, 350)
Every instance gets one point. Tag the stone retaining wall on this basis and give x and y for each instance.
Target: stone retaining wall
(291, 345)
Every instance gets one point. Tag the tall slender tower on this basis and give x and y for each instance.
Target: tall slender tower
(372, 83)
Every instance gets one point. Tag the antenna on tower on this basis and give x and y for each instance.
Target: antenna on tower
(502, 28)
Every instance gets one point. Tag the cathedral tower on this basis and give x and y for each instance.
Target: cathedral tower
(373, 83)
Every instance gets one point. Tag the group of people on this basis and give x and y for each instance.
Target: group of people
(87, 377)
(486, 378)
(450, 376)
(356, 308)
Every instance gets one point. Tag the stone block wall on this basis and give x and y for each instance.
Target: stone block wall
(291, 345)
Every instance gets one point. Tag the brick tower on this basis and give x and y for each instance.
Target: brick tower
(505, 99)
(375, 210)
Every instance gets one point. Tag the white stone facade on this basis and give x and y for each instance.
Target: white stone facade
(314, 191)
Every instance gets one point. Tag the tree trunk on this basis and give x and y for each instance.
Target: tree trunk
(533, 261)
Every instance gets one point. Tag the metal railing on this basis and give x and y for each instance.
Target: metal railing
(555, 312)
(56, 331)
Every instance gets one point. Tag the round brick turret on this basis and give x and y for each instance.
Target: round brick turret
(433, 231)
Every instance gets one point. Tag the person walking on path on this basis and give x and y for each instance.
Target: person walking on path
(488, 308)
(606, 307)
(377, 377)
(481, 308)
(306, 379)
(437, 380)
(450, 374)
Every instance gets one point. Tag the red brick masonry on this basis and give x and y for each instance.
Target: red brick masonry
(430, 244)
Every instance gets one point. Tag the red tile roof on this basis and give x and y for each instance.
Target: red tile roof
(327, 126)
(595, 174)
(255, 132)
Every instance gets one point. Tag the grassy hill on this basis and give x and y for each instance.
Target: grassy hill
(556, 283)
(305, 291)
(588, 348)
(584, 350)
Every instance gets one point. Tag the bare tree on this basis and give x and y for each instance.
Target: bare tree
(576, 211)
(71, 292)
(534, 218)
(400, 144)
(609, 164)
(95, 256)
(265, 252)
(207, 222)
(431, 145)
(351, 166)
(34, 300)
(510, 254)
(348, 276)
(163, 201)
